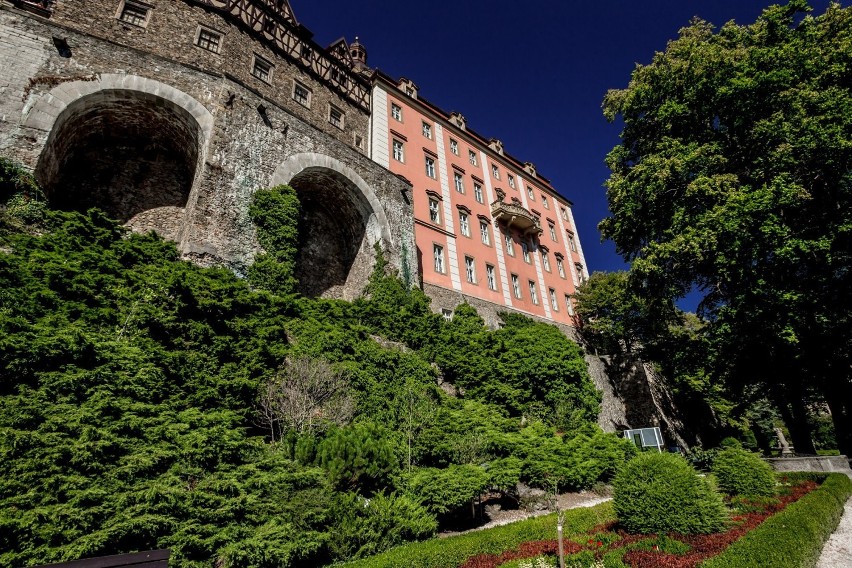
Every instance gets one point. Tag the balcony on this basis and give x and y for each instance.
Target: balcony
(514, 215)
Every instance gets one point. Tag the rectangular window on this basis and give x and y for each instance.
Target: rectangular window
(261, 69)
(430, 167)
(464, 224)
(492, 277)
(438, 252)
(435, 211)
(525, 248)
(396, 112)
(544, 202)
(569, 304)
(565, 213)
(495, 171)
(471, 156)
(301, 94)
(485, 233)
(545, 260)
(134, 14)
(580, 275)
(307, 52)
(477, 192)
(427, 130)
(510, 245)
(454, 147)
(335, 117)
(553, 303)
(398, 150)
(516, 286)
(530, 193)
(470, 269)
(209, 40)
(511, 180)
(571, 242)
(533, 293)
(459, 182)
(448, 314)
(359, 142)
(560, 267)
(552, 230)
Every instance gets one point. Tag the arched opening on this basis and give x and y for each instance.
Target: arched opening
(131, 153)
(333, 230)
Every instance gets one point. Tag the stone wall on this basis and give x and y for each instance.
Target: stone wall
(237, 135)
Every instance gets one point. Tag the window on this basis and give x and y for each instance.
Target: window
(454, 147)
(484, 233)
(553, 303)
(396, 112)
(434, 211)
(565, 213)
(552, 230)
(209, 40)
(579, 268)
(525, 248)
(470, 269)
(464, 224)
(438, 252)
(307, 52)
(477, 192)
(533, 293)
(516, 286)
(301, 94)
(448, 314)
(135, 14)
(359, 142)
(569, 304)
(427, 130)
(530, 193)
(261, 69)
(571, 242)
(544, 202)
(335, 116)
(398, 150)
(545, 260)
(510, 245)
(430, 167)
(495, 171)
(471, 156)
(491, 276)
(511, 180)
(459, 181)
(560, 267)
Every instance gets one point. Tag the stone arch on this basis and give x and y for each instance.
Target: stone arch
(342, 219)
(130, 145)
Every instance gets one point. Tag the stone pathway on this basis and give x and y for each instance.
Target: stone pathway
(837, 552)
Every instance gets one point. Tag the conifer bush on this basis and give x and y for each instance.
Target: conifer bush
(661, 493)
(740, 472)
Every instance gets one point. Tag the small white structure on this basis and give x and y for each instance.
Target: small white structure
(646, 438)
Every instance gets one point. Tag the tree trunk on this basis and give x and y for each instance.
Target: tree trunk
(841, 416)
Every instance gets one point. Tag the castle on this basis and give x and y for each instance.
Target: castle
(169, 114)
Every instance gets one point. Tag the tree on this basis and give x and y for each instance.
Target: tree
(734, 180)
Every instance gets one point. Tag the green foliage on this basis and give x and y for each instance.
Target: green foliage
(444, 491)
(793, 537)
(660, 493)
(275, 213)
(21, 199)
(451, 552)
(734, 181)
(740, 472)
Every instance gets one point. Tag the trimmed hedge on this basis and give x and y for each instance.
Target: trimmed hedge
(451, 552)
(740, 472)
(794, 537)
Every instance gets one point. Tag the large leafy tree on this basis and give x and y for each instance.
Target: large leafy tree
(734, 179)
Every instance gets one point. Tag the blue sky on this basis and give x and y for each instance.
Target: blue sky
(532, 74)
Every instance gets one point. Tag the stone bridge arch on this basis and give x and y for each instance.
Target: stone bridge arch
(342, 219)
(132, 146)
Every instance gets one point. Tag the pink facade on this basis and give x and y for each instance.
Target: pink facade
(487, 227)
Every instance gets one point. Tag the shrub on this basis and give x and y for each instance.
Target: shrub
(660, 493)
(740, 472)
(793, 537)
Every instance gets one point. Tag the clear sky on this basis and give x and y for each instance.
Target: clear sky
(532, 74)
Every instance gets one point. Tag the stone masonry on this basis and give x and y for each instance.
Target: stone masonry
(174, 138)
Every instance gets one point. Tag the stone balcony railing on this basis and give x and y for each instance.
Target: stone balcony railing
(516, 216)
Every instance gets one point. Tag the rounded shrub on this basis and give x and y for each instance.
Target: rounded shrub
(661, 493)
(740, 472)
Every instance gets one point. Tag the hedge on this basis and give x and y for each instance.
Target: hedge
(452, 551)
(794, 537)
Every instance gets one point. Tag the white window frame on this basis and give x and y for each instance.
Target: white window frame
(491, 276)
(495, 171)
(552, 228)
(470, 269)
(454, 146)
(485, 232)
(571, 242)
(510, 244)
(533, 292)
(516, 286)
(430, 167)
(511, 179)
(570, 305)
(471, 157)
(438, 254)
(464, 223)
(396, 112)
(259, 62)
(554, 303)
(477, 192)
(545, 261)
(560, 267)
(427, 130)
(398, 150)
(210, 31)
(565, 213)
(309, 95)
(458, 180)
(530, 193)
(544, 202)
(341, 123)
(525, 249)
(434, 211)
(139, 6)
